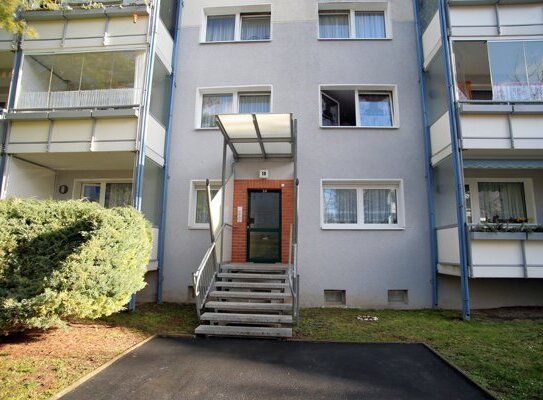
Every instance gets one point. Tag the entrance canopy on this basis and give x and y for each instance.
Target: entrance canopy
(259, 135)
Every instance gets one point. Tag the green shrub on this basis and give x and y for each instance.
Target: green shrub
(61, 259)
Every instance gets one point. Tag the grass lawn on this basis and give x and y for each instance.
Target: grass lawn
(502, 350)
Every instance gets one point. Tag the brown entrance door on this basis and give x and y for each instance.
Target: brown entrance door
(264, 226)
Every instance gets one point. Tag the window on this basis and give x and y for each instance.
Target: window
(245, 25)
(243, 100)
(107, 194)
(199, 211)
(220, 28)
(363, 21)
(364, 106)
(500, 200)
(255, 27)
(499, 70)
(360, 205)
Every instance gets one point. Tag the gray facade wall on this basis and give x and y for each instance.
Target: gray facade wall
(364, 263)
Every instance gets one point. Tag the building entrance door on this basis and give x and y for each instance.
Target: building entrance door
(264, 226)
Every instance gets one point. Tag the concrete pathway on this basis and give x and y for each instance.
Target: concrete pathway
(230, 369)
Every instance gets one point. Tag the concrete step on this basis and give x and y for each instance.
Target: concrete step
(249, 295)
(247, 318)
(252, 285)
(250, 331)
(241, 275)
(248, 307)
(266, 268)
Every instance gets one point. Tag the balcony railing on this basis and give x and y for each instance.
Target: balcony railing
(79, 99)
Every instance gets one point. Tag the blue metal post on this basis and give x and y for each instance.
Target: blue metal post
(11, 104)
(167, 142)
(428, 157)
(457, 163)
(138, 193)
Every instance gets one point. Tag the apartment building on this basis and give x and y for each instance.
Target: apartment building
(294, 153)
(482, 65)
(86, 107)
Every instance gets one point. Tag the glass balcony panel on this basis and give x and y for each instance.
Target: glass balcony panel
(87, 80)
(534, 66)
(508, 66)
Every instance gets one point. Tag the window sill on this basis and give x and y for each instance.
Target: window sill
(356, 39)
(199, 227)
(359, 127)
(206, 129)
(237, 41)
(362, 228)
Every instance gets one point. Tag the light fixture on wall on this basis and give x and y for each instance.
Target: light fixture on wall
(134, 18)
(63, 189)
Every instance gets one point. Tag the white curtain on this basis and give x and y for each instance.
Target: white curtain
(380, 206)
(375, 110)
(213, 104)
(334, 26)
(220, 28)
(118, 195)
(511, 91)
(249, 104)
(370, 25)
(340, 206)
(502, 202)
(202, 210)
(255, 28)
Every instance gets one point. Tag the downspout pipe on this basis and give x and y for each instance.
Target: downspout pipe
(167, 145)
(11, 105)
(457, 164)
(428, 157)
(148, 83)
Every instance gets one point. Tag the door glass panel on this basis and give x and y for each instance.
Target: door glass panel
(264, 230)
(91, 192)
(264, 246)
(265, 210)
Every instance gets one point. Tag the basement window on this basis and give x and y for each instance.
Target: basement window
(334, 297)
(362, 107)
(398, 296)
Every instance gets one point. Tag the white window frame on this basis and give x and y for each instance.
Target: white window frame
(195, 185)
(529, 196)
(237, 11)
(79, 183)
(235, 91)
(391, 90)
(351, 7)
(360, 185)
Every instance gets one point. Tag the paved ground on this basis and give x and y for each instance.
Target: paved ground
(228, 369)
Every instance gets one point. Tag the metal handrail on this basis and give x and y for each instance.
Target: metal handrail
(293, 277)
(204, 277)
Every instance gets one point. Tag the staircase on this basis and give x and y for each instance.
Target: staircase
(252, 300)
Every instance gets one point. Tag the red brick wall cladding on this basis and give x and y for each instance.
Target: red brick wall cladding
(241, 199)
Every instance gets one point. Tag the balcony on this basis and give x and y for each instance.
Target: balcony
(106, 178)
(499, 90)
(504, 210)
(81, 80)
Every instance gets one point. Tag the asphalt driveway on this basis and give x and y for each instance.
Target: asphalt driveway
(187, 368)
